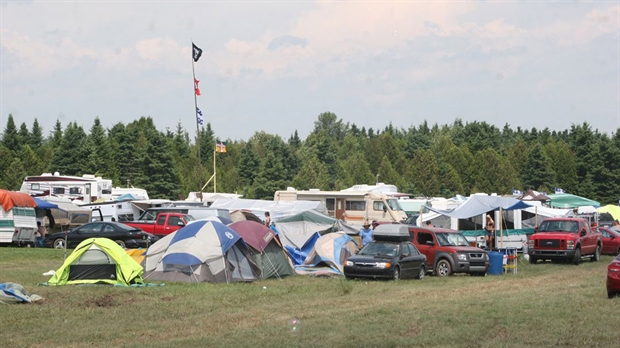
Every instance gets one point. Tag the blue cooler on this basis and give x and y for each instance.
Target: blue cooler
(496, 263)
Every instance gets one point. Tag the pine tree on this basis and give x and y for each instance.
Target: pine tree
(10, 137)
(537, 172)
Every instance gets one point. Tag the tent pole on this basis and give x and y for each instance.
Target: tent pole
(501, 229)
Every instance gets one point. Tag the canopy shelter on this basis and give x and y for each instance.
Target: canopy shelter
(566, 200)
(479, 204)
(265, 248)
(531, 195)
(278, 210)
(44, 209)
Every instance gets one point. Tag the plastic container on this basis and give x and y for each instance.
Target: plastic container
(496, 266)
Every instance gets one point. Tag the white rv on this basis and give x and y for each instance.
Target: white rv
(86, 188)
(351, 206)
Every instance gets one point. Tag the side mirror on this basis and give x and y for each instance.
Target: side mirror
(404, 255)
(430, 242)
(535, 229)
(181, 223)
(384, 208)
(583, 233)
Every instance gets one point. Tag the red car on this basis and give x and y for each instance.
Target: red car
(611, 241)
(613, 277)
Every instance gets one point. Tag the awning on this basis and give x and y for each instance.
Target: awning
(478, 205)
(43, 204)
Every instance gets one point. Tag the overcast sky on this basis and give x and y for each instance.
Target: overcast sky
(274, 66)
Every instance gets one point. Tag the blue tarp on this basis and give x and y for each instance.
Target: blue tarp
(43, 204)
(478, 205)
(297, 255)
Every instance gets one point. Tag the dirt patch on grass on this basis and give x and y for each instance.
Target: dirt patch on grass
(104, 301)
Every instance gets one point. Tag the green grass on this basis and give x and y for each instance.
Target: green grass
(544, 305)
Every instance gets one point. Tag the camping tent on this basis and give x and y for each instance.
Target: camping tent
(265, 247)
(204, 251)
(278, 210)
(565, 200)
(243, 214)
(331, 250)
(96, 261)
(295, 230)
(613, 210)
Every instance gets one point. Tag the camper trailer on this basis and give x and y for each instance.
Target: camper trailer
(17, 216)
(85, 189)
(353, 207)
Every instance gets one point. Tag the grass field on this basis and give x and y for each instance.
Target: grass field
(544, 305)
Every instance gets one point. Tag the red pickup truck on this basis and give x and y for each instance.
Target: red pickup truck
(164, 223)
(565, 239)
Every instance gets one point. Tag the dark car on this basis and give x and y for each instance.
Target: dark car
(123, 235)
(388, 260)
(611, 241)
(613, 277)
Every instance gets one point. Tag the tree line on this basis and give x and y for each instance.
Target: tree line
(424, 160)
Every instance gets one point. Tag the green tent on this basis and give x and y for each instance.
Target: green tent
(98, 260)
(567, 201)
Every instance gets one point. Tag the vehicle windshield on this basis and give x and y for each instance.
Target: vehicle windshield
(379, 249)
(451, 239)
(559, 226)
(394, 205)
(188, 218)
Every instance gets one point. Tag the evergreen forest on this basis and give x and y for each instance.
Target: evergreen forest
(424, 160)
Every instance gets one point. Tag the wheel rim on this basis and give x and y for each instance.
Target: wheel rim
(59, 244)
(121, 243)
(443, 268)
(422, 273)
(396, 274)
(598, 253)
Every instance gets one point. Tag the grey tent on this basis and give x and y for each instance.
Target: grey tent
(295, 230)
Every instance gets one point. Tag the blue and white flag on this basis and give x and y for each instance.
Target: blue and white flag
(201, 119)
(559, 190)
(516, 192)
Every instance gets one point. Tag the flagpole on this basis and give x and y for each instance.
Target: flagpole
(196, 118)
(214, 172)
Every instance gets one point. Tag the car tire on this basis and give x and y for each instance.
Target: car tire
(121, 244)
(396, 274)
(611, 294)
(59, 243)
(443, 268)
(533, 260)
(422, 272)
(597, 254)
(577, 256)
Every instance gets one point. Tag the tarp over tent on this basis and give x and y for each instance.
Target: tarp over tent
(278, 210)
(478, 204)
(566, 200)
(331, 250)
(295, 230)
(531, 195)
(204, 251)
(98, 261)
(265, 247)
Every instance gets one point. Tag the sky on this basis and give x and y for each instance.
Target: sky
(275, 66)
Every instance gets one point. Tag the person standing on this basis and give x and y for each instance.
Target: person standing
(267, 219)
(366, 234)
(489, 230)
(40, 234)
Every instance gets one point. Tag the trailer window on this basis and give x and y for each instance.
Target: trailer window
(355, 205)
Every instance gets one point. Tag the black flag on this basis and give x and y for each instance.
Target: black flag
(197, 52)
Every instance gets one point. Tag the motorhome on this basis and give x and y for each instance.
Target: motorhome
(351, 206)
(86, 188)
(17, 216)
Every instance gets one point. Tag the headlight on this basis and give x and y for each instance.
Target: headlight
(570, 244)
(348, 263)
(383, 265)
(461, 257)
(486, 256)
